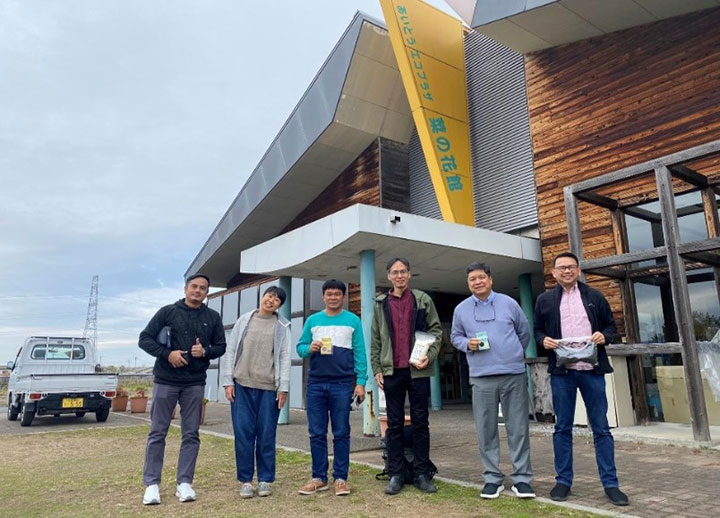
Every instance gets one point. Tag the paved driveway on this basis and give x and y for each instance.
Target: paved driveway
(62, 423)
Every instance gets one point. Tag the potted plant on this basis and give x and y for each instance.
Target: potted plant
(120, 401)
(138, 402)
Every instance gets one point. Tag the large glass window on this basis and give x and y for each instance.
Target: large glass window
(298, 295)
(316, 298)
(704, 303)
(644, 228)
(230, 308)
(248, 299)
(650, 313)
(215, 303)
(656, 322)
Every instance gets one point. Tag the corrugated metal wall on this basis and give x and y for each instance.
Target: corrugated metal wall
(503, 178)
(423, 201)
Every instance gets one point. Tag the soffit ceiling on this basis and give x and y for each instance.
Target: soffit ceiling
(532, 25)
(329, 248)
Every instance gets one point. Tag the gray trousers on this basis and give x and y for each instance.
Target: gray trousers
(164, 399)
(510, 391)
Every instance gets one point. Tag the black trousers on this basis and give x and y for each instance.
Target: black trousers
(418, 390)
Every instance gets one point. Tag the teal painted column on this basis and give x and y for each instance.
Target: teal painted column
(526, 303)
(435, 388)
(371, 407)
(286, 310)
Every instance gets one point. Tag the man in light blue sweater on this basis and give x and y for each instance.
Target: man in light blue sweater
(491, 329)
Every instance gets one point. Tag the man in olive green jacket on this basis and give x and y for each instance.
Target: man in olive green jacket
(397, 315)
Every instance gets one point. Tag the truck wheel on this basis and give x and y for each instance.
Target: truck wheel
(102, 415)
(13, 411)
(79, 414)
(27, 417)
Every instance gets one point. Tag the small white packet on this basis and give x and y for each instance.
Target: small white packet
(423, 341)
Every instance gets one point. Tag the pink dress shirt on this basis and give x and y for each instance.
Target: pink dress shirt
(574, 321)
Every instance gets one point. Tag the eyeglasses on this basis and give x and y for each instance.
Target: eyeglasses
(569, 268)
(484, 312)
(398, 273)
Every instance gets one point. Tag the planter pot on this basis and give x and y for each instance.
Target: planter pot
(138, 405)
(119, 404)
(384, 425)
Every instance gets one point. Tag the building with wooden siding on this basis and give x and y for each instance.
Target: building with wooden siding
(345, 177)
(560, 93)
(611, 85)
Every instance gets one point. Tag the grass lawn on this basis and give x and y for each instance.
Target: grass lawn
(98, 473)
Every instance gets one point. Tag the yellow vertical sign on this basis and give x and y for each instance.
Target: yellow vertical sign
(428, 47)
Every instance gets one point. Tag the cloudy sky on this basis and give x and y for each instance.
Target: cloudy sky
(127, 127)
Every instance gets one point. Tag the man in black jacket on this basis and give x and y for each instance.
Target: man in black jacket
(573, 309)
(196, 336)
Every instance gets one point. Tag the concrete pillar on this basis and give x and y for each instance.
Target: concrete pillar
(286, 310)
(435, 388)
(526, 303)
(371, 407)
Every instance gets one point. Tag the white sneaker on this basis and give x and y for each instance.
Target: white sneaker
(152, 495)
(185, 492)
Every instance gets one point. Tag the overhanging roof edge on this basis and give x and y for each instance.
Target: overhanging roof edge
(351, 33)
(336, 228)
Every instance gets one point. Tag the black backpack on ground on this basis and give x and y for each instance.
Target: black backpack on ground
(409, 455)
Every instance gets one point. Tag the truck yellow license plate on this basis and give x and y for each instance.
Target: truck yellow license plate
(72, 402)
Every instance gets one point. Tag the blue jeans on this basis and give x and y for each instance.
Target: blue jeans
(333, 398)
(254, 415)
(564, 395)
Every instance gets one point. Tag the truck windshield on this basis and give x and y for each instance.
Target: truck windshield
(57, 352)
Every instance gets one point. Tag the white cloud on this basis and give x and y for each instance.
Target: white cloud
(126, 130)
(121, 317)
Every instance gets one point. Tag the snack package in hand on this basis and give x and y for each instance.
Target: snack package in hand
(573, 350)
(423, 341)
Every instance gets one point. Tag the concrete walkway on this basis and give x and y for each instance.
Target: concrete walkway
(661, 480)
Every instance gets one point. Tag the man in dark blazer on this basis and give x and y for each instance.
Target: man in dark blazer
(573, 309)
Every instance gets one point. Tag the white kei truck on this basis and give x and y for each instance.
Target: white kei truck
(56, 375)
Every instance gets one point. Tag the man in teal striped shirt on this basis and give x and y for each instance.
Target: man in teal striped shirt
(334, 342)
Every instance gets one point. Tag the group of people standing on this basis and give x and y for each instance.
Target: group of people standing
(490, 328)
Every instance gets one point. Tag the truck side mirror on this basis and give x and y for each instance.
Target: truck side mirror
(11, 365)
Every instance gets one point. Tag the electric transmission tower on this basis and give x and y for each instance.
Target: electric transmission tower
(91, 322)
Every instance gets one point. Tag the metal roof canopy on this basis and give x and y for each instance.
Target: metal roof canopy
(531, 25)
(356, 97)
(438, 251)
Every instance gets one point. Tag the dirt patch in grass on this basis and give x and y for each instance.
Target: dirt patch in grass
(98, 473)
